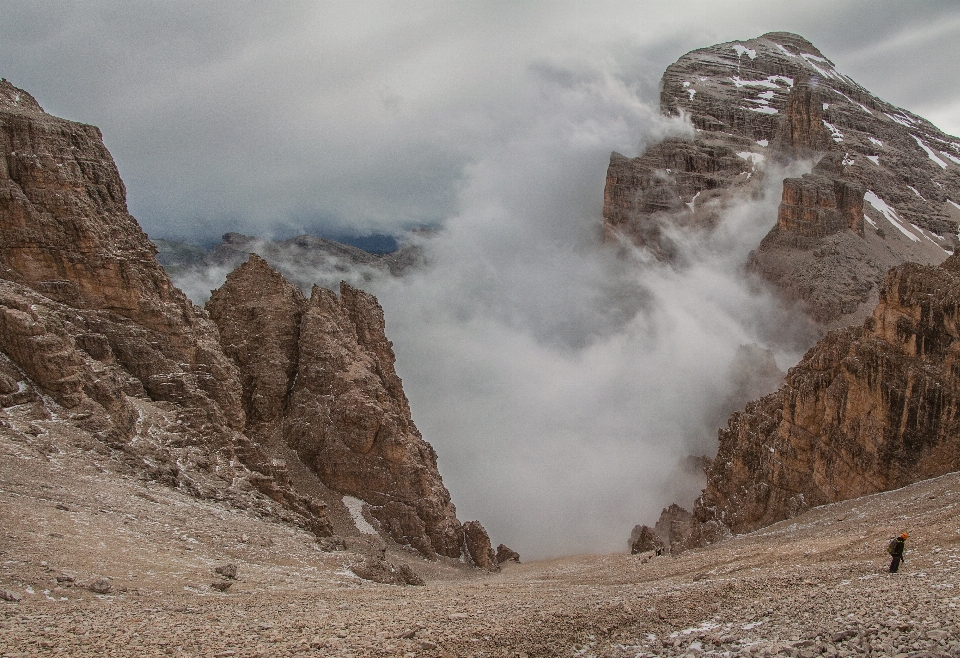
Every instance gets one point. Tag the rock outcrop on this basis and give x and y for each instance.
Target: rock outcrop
(318, 377)
(505, 554)
(478, 547)
(868, 409)
(821, 203)
(643, 539)
(772, 100)
(675, 531)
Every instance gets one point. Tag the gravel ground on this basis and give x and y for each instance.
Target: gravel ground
(814, 585)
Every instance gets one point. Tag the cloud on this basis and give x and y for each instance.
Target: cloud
(562, 386)
(360, 117)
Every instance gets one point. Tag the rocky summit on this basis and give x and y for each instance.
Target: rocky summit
(290, 406)
(887, 192)
(305, 261)
(318, 378)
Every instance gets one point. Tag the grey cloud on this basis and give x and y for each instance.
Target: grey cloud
(363, 117)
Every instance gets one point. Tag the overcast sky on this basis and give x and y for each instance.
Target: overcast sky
(562, 387)
(357, 117)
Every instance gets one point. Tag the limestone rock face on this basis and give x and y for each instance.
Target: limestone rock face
(66, 233)
(675, 183)
(94, 334)
(802, 132)
(318, 376)
(821, 203)
(868, 409)
(263, 334)
(775, 99)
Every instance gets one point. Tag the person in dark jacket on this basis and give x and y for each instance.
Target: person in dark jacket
(897, 552)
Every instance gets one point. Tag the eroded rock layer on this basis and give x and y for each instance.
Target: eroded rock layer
(868, 409)
(318, 376)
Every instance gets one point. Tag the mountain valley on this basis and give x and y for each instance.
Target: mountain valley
(246, 478)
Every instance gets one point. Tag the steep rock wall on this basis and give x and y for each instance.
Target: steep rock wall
(322, 372)
(868, 409)
(97, 337)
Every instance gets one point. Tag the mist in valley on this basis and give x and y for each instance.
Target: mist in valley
(566, 380)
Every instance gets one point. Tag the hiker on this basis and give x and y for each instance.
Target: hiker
(896, 550)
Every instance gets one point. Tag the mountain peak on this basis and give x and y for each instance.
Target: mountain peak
(14, 99)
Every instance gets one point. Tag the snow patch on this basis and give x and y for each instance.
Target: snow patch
(857, 103)
(950, 157)
(754, 83)
(881, 206)
(929, 236)
(837, 135)
(826, 106)
(914, 190)
(954, 204)
(903, 120)
(826, 72)
(751, 157)
(355, 507)
(692, 92)
(848, 161)
(766, 95)
(785, 51)
(930, 152)
(693, 202)
(763, 109)
(876, 141)
(763, 142)
(875, 159)
(743, 50)
(869, 221)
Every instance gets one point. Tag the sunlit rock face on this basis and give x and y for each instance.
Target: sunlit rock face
(66, 233)
(94, 335)
(318, 376)
(868, 409)
(776, 99)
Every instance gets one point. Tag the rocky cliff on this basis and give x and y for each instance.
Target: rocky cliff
(94, 334)
(318, 376)
(758, 104)
(96, 339)
(868, 409)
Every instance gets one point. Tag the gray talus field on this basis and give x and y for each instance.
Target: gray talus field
(73, 521)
